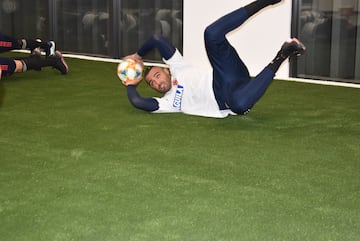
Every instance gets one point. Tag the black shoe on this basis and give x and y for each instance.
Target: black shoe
(50, 49)
(34, 50)
(60, 63)
(292, 47)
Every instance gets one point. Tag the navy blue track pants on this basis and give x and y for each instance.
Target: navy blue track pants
(233, 86)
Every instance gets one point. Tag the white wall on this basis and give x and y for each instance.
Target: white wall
(257, 40)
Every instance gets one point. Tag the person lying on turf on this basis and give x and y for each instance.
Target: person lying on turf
(229, 89)
(9, 66)
(8, 43)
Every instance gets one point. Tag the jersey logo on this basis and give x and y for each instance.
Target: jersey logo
(178, 97)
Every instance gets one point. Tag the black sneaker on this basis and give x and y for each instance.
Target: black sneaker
(292, 47)
(50, 50)
(60, 63)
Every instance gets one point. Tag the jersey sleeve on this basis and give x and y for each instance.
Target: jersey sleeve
(147, 104)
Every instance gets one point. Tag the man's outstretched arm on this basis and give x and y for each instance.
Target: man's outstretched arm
(161, 44)
(146, 104)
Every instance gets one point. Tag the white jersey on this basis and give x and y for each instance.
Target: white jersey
(191, 92)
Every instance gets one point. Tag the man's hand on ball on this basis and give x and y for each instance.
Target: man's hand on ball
(134, 81)
(135, 57)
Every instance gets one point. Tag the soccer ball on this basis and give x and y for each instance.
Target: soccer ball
(129, 69)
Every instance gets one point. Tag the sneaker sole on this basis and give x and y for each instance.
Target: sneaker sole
(301, 46)
(58, 54)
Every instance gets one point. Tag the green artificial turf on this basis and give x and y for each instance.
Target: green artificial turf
(79, 163)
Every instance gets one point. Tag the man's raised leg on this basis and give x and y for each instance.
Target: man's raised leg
(243, 99)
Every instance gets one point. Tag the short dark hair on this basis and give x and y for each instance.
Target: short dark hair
(146, 70)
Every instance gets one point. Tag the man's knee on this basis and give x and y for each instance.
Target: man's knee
(241, 107)
(211, 33)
